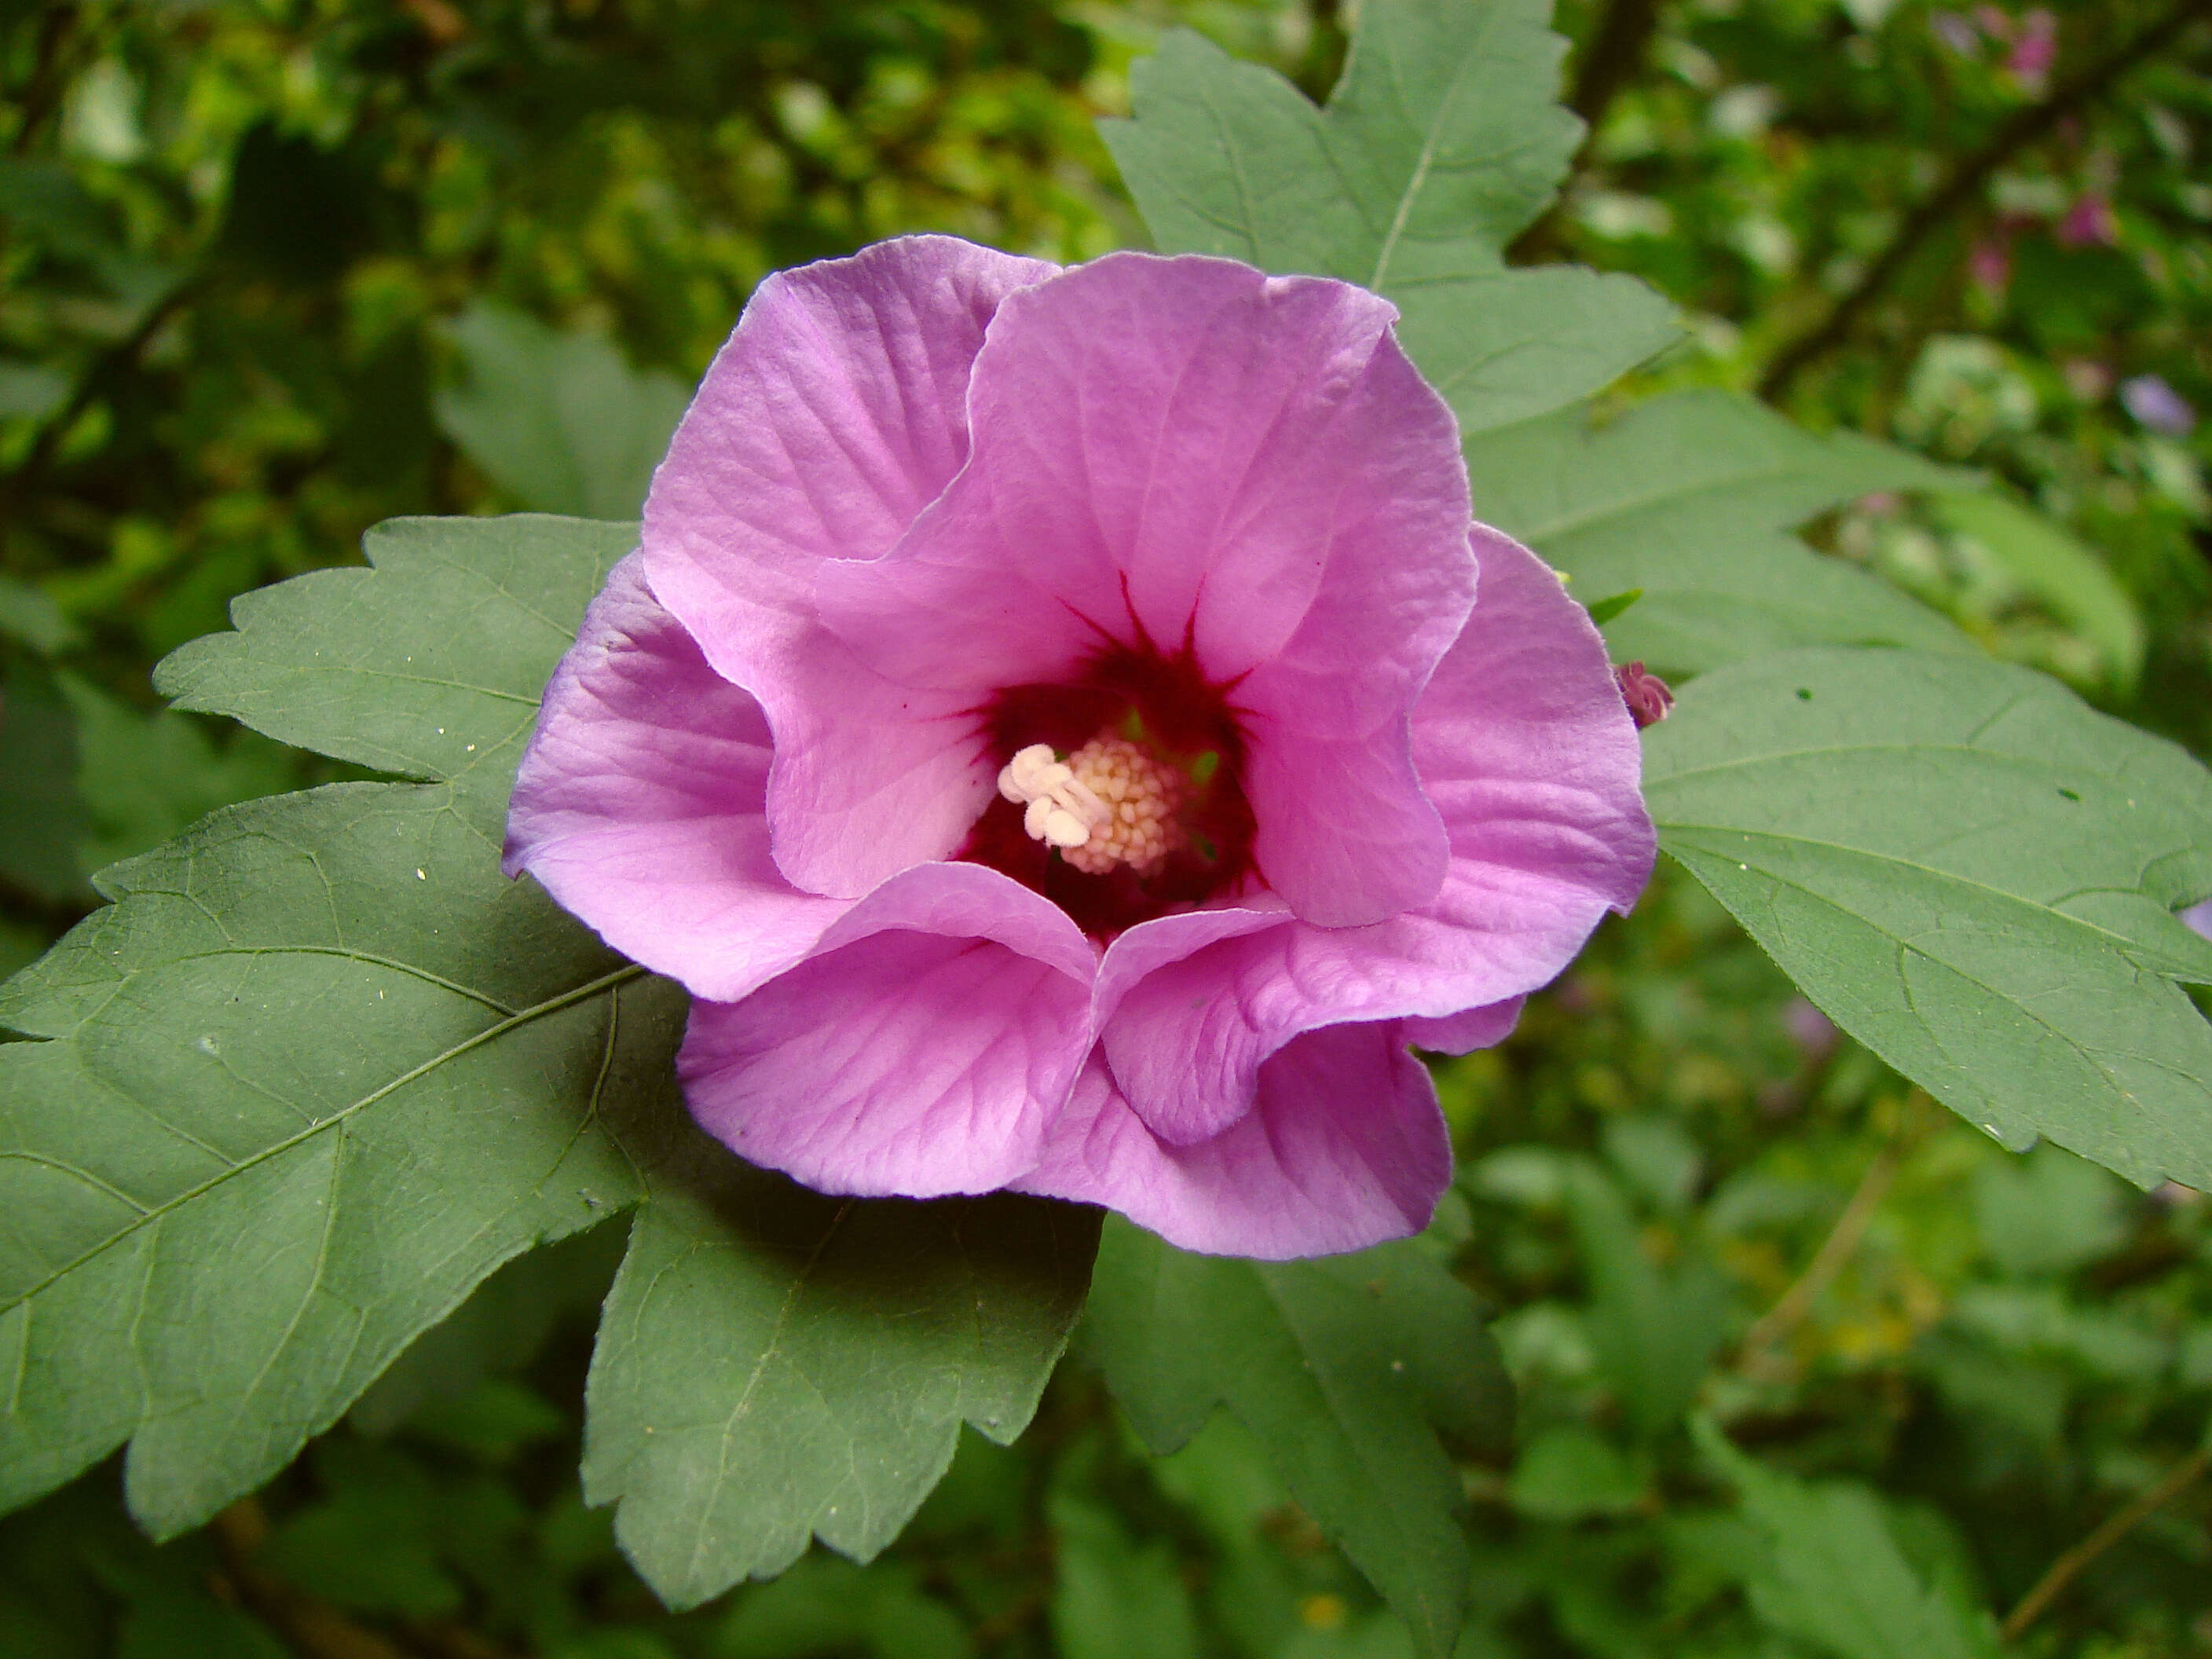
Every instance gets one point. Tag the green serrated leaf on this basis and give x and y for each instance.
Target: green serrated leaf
(1441, 142)
(1690, 497)
(321, 1069)
(317, 1071)
(562, 423)
(1834, 1576)
(1974, 874)
(429, 664)
(776, 1365)
(43, 818)
(1344, 1368)
(1518, 344)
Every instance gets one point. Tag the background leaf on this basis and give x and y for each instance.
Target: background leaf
(1566, 1473)
(562, 423)
(1116, 1598)
(143, 778)
(1691, 498)
(43, 820)
(1655, 1330)
(1972, 872)
(774, 1364)
(321, 1068)
(1835, 1577)
(29, 617)
(824, 1604)
(2058, 570)
(1346, 1368)
(1440, 142)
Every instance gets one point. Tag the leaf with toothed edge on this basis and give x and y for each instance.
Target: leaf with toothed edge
(1691, 498)
(429, 664)
(1441, 142)
(1346, 1368)
(1974, 873)
(775, 1365)
(321, 1069)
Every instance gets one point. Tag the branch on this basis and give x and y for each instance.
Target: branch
(42, 94)
(310, 1628)
(2069, 1566)
(1613, 58)
(1318, 70)
(115, 359)
(1965, 185)
(1841, 1243)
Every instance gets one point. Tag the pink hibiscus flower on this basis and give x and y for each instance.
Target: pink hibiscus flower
(1051, 729)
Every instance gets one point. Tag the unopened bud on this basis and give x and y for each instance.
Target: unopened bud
(1645, 693)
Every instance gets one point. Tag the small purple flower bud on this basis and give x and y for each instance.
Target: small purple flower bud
(1991, 263)
(2089, 223)
(1814, 1033)
(1645, 693)
(2197, 918)
(2158, 406)
(2035, 49)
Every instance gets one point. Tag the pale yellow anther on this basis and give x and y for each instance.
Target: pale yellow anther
(1108, 803)
(1140, 827)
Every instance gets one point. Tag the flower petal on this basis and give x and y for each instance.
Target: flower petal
(1174, 454)
(1346, 1148)
(1525, 745)
(1171, 1088)
(837, 410)
(1463, 1033)
(639, 804)
(922, 1050)
(1343, 830)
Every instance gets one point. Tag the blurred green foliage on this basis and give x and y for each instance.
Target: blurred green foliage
(1806, 1366)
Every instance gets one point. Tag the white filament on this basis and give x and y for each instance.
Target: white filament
(1063, 811)
(1109, 803)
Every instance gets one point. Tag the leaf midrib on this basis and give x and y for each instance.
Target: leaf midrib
(2119, 940)
(1574, 524)
(1321, 1374)
(1431, 139)
(1903, 945)
(492, 1033)
(1886, 746)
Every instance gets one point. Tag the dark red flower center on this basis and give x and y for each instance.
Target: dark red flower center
(1158, 769)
